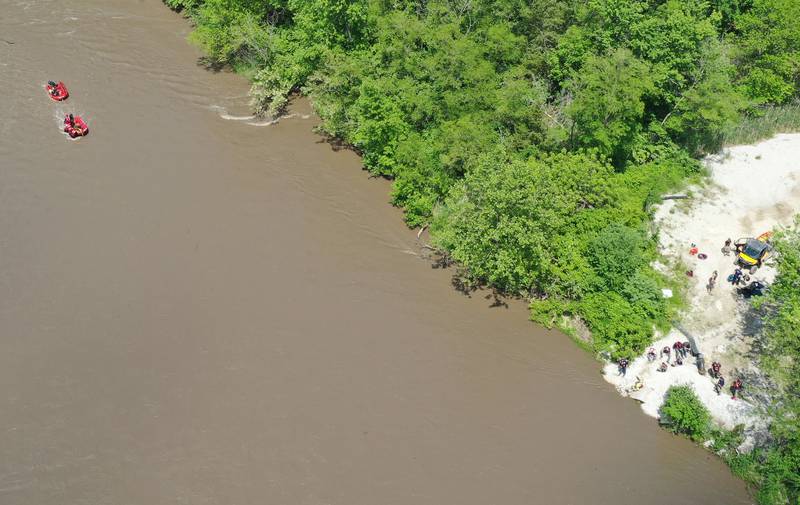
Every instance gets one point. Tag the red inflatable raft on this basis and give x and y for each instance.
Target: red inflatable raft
(75, 126)
(57, 92)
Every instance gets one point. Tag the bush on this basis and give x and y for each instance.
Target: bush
(683, 413)
(616, 254)
(618, 326)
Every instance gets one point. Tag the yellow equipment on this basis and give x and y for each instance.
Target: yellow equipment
(751, 252)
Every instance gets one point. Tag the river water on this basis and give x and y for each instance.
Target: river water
(199, 310)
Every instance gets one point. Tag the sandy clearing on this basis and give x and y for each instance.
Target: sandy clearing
(751, 189)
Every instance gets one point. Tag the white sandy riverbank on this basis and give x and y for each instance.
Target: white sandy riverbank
(752, 189)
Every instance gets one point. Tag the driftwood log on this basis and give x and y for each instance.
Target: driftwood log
(701, 362)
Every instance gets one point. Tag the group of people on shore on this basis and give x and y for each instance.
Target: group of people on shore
(737, 278)
(715, 373)
(681, 350)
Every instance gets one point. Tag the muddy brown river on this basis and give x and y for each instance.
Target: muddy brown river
(197, 308)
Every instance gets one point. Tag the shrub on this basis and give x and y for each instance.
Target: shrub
(683, 413)
(617, 326)
(616, 254)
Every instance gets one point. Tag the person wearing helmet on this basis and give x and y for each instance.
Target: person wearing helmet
(623, 366)
(736, 387)
(719, 385)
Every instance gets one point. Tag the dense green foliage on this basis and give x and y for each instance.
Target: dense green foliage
(773, 466)
(532, 136)
(776, 468)
(683, 412)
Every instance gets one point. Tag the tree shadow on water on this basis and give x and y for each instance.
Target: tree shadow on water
(460, 281)
(336, 144)
(211, 64)
(498, 299)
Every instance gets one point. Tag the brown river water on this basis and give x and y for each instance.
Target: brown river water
(196, 309)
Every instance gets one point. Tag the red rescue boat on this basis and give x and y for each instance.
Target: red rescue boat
(57, 92)
(75, 126)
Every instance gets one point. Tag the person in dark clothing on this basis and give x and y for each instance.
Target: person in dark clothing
(715, 368)
(710, 285)
(687, 348)
(726, 249)
(737, 277)
(623, 366)
(736, 387)
(666, 350)
(719, 385)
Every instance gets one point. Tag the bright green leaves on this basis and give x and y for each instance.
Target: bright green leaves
(279, 42)
(616, 254)
(519, 112)
(180, 5)
(617, 325)
(668, 76)
(512, 223)
(380, 127)
(768, 38)
(502, 46)
(672, 39)
(497, 120)
(608, 103)
(223, 28)
(708, 107)
(330, 23)
(777, 469)
(534, 137)
(627, 301)
(782, 307)
(683, 412)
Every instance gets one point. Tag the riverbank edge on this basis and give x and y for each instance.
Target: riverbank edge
(569, 326)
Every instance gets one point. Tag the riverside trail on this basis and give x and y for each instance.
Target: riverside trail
(199, 310)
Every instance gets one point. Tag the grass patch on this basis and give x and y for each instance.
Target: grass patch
(768, 122)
